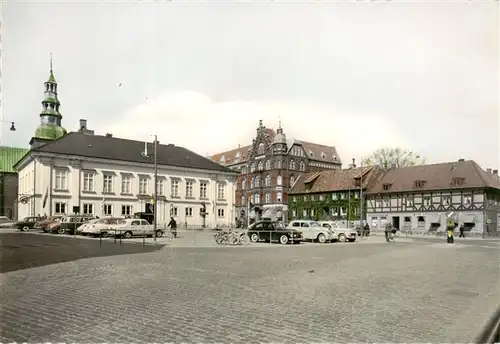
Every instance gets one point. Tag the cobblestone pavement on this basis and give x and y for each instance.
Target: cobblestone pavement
(405, 291)
(22, 250)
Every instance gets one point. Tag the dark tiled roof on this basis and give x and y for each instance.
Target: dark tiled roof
(9, 156)
(436, 177)
(335, 180)
(113, 148)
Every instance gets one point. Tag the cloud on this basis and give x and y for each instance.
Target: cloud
(198, 122)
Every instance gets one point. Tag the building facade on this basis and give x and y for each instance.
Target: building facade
(421, 198)
(331, 195)
(269, 167)
(9, 156)
(107, 176)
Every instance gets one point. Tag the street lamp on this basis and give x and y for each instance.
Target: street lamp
(155, 195)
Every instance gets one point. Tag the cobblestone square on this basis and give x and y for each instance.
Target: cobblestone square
(408, 291)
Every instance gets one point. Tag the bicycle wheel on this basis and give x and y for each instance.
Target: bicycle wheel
(244, 239)
(233, 240)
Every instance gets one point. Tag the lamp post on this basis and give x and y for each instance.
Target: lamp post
(12, 126)
(155, 194)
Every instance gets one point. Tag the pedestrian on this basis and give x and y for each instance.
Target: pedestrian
(462, 229)
(366, 229)
(173, 226)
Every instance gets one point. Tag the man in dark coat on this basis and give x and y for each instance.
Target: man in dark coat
(173, 226)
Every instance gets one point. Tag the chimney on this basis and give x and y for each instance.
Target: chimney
(489, 170)
(495, 172)
(83, 124)
(461, 159)
(109, 135)
(353, 165)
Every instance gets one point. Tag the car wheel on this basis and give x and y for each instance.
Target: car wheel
(127, 235)
(342, 238)
(61, 231)
(254, 237)
(284, 239)
(25, 228)
(159, 234)
(352, 240)
(321, 238)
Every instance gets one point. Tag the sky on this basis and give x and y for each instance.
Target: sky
(421, 75)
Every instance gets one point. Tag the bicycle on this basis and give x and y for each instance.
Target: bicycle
(231, 238)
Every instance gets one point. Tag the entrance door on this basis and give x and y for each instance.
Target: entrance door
(395, 222)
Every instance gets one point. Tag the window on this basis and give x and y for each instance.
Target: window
(260, 166)
(277, 163)
(160, 187)
(256, 198)
(302, 166)
(252, 183)
(220, 212)
(292, 165)
(173, 211)
(203, 190)
(175, 188)
(189, 189)
(279, 197)
(279, 180)
(243, 184)
(268, 165)
(243, 199)
(107, 209)
(252, 168)
(334, 196)
(292, 181)
(419, 184)
(108, 183)
(386, 187)
(268, 197)
(60, 208)
(126, 210)
(260, 150)
(61, 180)
(126, 184)
(457, 181)
(88, 208)
(467, 200)
(143, 186)
(88, 181)
(446, 200)
(221, 190)
(189, 211)
(268, 180)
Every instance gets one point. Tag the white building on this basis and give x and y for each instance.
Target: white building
(109, 176)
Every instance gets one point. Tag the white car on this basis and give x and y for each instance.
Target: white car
(83, 227)
(134, 227)
(311, 230)
(99, 227)
(339, 233)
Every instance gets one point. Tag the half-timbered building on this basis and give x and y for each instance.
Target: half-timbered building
(421, 197)
(331, 195)
(269, 167)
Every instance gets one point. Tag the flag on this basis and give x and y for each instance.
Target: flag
(153, 199)
(45, 198)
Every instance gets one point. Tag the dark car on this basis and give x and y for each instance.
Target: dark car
(27, 223)
(69, 224)
(273, 231)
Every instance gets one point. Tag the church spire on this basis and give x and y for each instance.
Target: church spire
(50, 117)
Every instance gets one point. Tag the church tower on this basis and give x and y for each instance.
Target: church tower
(50, 128)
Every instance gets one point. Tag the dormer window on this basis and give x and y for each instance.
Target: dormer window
(419, 184)
(222, 159)
(357, 182)
(311, 154)
(323, 155)
(457, 181)
(386, 186)
(238, 155)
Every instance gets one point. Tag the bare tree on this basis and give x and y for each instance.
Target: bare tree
(388, 158)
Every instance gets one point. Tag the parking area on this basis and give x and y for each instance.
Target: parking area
(408, 291)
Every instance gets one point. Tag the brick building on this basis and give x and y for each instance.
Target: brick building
(269, 167)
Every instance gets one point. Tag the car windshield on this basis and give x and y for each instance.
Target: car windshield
(314, 224)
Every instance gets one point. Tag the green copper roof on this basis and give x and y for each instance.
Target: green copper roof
(51, 77)
(50, 132)
(51, 112)
(9, 156)
(51, 100)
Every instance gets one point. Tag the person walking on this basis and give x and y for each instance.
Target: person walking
(462, 229)
(173, 226)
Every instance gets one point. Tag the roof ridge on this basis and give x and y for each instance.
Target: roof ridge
(482, 173)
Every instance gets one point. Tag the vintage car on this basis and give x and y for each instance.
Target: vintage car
(339, 233)
(128, 228)
(273, 231)
(44, 223)
(69, 224)
(27, 223)
(99, 227)
(312, 230)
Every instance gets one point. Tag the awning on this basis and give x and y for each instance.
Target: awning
(435, 218)
(467, 218)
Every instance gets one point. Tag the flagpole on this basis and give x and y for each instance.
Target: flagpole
(155, 204)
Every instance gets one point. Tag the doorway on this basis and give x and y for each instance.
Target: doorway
(395, 222)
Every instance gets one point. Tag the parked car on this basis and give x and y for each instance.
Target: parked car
(99, 227)
(312, 230)
(127, 228)
(339, 233)
(5, 222)
(83, 226)
(273, 231)
(69, 224)
(43, 224)
(27, 223)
